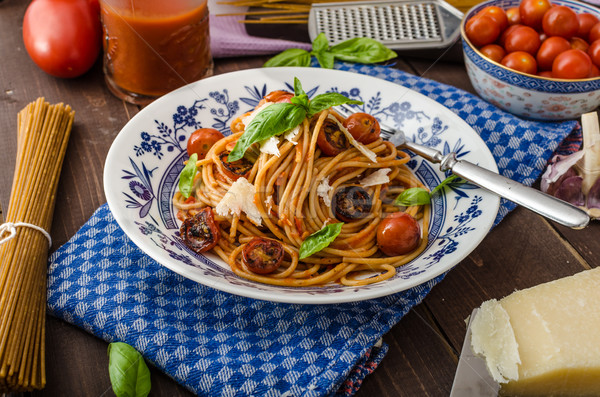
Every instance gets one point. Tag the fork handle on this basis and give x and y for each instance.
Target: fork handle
(530, 198)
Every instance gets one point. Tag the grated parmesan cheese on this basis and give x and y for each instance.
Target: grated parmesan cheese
(240, 197)
(361, 148)
(323, 191)
(292, 134)
(378, 177)
(270, 146)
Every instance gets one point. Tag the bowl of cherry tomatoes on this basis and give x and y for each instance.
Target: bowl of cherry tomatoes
(538, 59)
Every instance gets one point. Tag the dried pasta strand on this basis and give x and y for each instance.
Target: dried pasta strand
(42, 137)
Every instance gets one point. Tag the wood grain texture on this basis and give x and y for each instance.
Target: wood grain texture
(524, 250)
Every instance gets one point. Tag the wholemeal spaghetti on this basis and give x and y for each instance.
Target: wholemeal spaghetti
(43, 134)
(290, 195)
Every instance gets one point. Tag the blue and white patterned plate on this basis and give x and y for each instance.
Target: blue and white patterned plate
(143, 165)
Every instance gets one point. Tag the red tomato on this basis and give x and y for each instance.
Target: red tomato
(62, 37)
(545, 73)
(398, 234)
(202, 140)
(532, 12)
(520, 61)
(503, 35)
(595, 71)
(331, 139)
(363, 127)
(578, 43)
(560, 21)
(594, 33)
(482, 30)
(523, 38)
(594, 52)
(549, 49)
(200, 232)
(497, 14)
(572, 64)
(493, 52)
(512, 14)
(262, 255)
(279, 96)
(586, 21)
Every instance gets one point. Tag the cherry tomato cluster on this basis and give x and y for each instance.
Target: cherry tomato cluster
(539, 38)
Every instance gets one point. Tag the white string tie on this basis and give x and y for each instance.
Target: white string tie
(10, 227)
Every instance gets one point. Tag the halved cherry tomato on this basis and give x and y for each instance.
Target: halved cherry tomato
(398, 234)
(494, 52)
(532, 12)
(594, 52)
(586, 21)
(560, 21)
(279, 96)
(235, 169)
(482, 29)
(262, 255)
(549, 49)
(512, 14)
(497, 14)
(350, 203)
(200, 232)
(331, 139)
(520, 61)
(202, 140)
(572, 64)
(523, 38)
(363, 127)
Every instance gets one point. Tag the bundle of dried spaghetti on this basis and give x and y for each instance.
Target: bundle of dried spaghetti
(43, 134)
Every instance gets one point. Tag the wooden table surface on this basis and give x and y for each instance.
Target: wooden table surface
(523, 251)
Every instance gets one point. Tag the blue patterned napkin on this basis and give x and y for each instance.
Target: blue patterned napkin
(215, 343)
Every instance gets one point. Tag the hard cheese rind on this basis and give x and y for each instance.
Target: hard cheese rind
(556, 327)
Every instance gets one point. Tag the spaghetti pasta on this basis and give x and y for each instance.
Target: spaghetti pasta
(288, 195)
(43, 134)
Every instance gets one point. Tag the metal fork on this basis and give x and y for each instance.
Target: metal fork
(528, 197)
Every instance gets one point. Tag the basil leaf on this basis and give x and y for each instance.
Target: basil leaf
(272, 120)
(446, 182)
(362, 50)
(320, 43)
(320, 239)
(413, 196)
(186, 178)
(290, 57)
(129, 374)
(325, 101)
(298, 90)
(325, 58)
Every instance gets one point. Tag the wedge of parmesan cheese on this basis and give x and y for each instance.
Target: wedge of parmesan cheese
(556, 332)
(378, 177)
(323, 191)
(240, 198)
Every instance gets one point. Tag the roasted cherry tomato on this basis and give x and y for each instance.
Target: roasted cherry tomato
(350, 203)
(262, 255)
(549, 49)
(202, 140)
(279, 96)
(200, 232)
(398, 234)
(512, 14)
(331, 139)
(493, 52)
(560, 21)
(532, 12)
(586, 21)
(522, 38)
(63, 37)
(497, 14)
(594, 52)
(482, 29)
(363, 127)
(520, 61)
(572, 64)
(235, 169)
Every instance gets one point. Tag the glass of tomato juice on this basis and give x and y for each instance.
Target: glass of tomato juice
(152, 47)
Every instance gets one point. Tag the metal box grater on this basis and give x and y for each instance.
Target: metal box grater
(400, 25)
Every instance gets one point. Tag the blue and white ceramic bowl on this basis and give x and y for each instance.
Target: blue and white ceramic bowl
(524, 94)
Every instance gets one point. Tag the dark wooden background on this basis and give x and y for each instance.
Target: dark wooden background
(523, 251)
